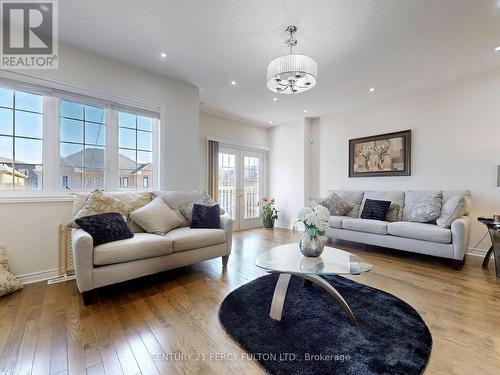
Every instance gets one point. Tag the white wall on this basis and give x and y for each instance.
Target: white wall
(29, 230)
(455, 142)
(287, 169)
(228, 131)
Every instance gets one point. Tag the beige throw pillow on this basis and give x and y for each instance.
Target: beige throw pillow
(392, 213)
(8, 282)
(98, 203)
(336, 205)
(452, 209)
(156, 217)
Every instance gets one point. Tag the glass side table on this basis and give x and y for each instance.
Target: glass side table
(494, 230)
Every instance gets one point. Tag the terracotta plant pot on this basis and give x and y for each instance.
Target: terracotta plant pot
(268, 223)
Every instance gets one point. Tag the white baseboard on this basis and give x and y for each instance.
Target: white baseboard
(476, 252)
(34, 277)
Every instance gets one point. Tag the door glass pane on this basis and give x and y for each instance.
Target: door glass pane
(251, 186)
(227, 183)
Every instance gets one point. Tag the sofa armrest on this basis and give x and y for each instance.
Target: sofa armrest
(460, 229)
(83, 259)
(226, 223)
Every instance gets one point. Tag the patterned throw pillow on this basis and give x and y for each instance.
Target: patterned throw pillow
(375, 209)
(336, 205)
(8, 282)
(98, 203)
(392, 213)
(205, 217)
(203, 199)
(105, 228)
(427, 209)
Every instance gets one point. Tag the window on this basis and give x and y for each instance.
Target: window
(54, 141)
(135, 142)
(21, 140)
(82, 145)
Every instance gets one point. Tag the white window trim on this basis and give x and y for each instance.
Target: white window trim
(51, 185)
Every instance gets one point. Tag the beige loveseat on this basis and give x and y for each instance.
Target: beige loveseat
(146, 253)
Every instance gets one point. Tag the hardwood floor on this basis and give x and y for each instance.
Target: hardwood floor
(168, 323)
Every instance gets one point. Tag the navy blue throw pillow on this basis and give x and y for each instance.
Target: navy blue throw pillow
(375, 210)
(105, 228)
(207, 217)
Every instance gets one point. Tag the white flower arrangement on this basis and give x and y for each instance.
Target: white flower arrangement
(314, 219)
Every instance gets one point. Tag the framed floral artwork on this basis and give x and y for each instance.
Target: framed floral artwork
(381, 155)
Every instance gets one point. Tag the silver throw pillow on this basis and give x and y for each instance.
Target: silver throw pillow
(336, 205)
(203, 199)
(427, 209)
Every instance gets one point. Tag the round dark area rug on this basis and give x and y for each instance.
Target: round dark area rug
(315, 336)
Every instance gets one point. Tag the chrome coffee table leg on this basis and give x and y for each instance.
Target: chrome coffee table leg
(282, 287)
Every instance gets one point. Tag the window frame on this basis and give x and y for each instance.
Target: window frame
(52, 188)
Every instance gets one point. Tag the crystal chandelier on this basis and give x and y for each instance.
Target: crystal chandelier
(291, 74)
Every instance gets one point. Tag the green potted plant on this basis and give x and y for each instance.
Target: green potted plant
(268, 212)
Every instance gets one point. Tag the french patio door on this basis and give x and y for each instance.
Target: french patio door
(241, 185)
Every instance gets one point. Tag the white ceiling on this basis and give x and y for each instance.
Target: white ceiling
(393, 45)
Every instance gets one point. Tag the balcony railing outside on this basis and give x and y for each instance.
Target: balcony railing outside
(227, 200)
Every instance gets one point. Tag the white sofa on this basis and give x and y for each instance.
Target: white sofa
(424, 238)
(146, 253)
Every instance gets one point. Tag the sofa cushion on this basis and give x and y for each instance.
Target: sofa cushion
(336, 221)
(396, 198)
(141, 246)
(354, 198)
(466, 194)
(189, 239)
(365, 225)
(177, 199)
(420, 231)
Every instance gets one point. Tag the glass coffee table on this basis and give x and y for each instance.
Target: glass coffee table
(287, 260)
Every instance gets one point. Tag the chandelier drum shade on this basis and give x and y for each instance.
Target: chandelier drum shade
(292, 74)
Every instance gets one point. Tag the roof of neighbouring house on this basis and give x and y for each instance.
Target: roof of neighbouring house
(95, 159)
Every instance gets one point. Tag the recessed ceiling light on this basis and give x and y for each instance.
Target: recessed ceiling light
(275, 99)
(305, 110)
(163, 55)
(233, 83)
(270, 122)
(372, 89)
(497, 49)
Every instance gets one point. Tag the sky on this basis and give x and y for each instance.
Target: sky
(78, 124)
